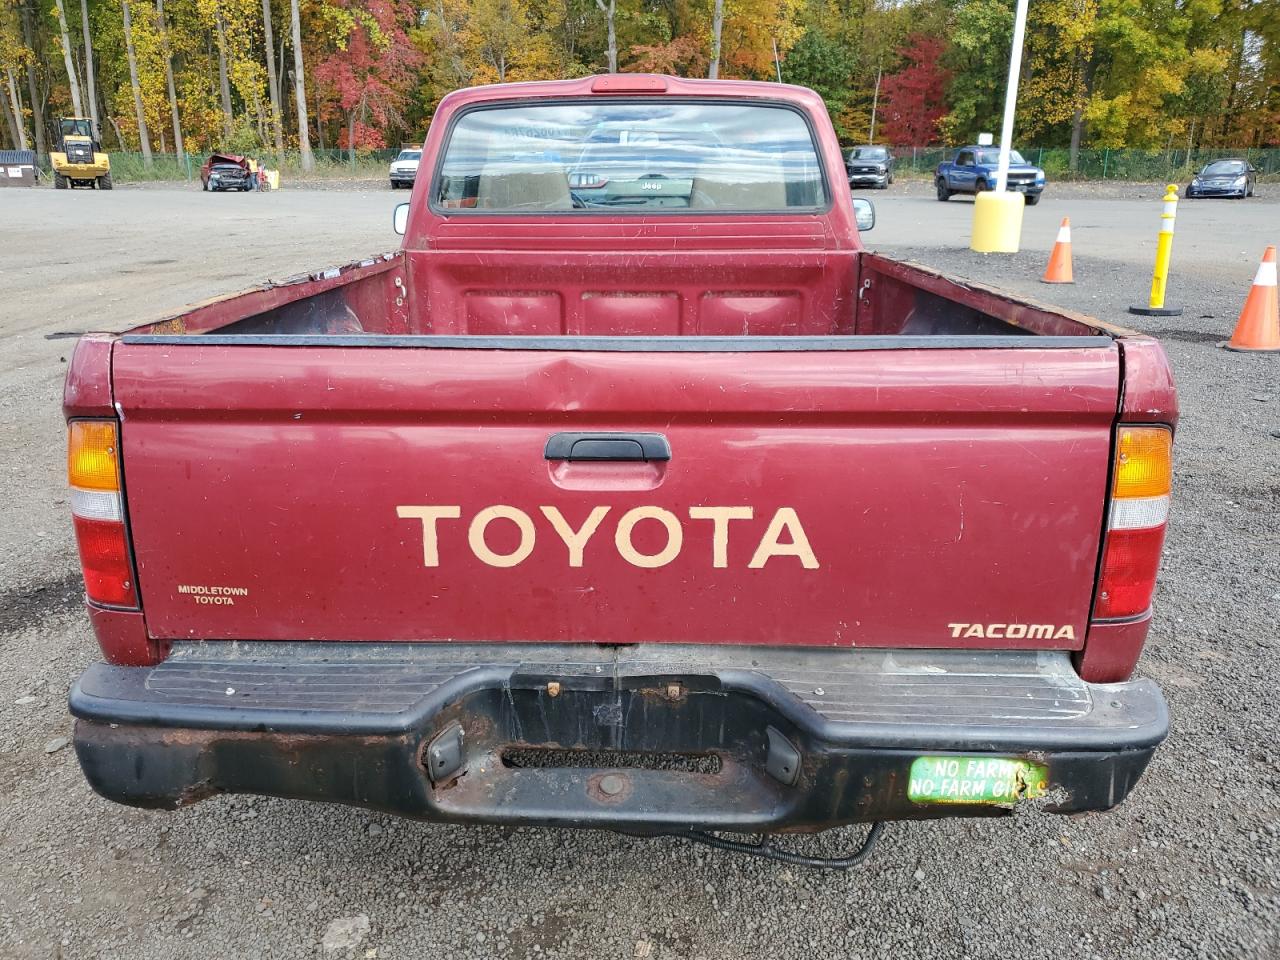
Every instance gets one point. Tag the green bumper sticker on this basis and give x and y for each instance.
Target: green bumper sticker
(975, 780)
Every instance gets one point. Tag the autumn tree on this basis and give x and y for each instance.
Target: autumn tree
(977, 58)
(443, 41)
(1059, 68)
(13, 57)
(273, 82)
(824, 64)
(197, 74)
(495, 34)
(33, 41)
(372, 68)
(681, 57)
(508, 40)
(914, 96)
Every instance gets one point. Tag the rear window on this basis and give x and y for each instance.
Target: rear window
(637, 156)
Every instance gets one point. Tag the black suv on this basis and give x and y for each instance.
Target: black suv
(869, 167)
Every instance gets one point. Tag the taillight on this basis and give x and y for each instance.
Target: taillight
(1139, 511)
(93, 471)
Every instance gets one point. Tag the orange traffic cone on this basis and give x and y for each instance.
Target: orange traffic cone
(1259, 324)
(1059, 269)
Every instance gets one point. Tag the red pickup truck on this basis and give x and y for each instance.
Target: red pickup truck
(632, 492)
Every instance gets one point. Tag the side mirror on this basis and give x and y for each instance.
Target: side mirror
(864, 212)
(400, 218)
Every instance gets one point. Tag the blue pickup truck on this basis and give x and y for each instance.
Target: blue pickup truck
(974, 170)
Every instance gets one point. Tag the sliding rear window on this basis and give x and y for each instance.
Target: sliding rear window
(633, 156)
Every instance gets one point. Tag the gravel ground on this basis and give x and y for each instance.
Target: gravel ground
(1189, 866)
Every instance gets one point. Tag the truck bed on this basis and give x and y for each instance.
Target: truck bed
(648, 294)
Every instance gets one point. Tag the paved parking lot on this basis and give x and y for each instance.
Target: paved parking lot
(1188, 867)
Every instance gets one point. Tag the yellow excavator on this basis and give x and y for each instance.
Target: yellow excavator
(78, 160)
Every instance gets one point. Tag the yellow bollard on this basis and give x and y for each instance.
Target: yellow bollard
(1164, 251)
(997, 221)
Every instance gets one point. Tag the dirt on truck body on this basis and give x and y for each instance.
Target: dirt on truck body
(632, 492)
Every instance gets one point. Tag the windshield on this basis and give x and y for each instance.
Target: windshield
(76, 128)
(631, 157)
(869, 153)
(993, 156)
(410, 155)
(1223, 168)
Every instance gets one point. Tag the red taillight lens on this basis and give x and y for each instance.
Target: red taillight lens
(93, 470)
(1129, 568)
(104, 558)
(1141, 477)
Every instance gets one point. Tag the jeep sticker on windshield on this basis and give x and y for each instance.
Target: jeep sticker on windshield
(783, 537)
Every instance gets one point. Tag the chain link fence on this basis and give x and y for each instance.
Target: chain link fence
(1137, 165)
(129, 167)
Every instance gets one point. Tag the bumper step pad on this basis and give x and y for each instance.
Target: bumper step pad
(352, 723)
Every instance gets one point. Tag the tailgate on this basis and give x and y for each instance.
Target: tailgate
(834, 497)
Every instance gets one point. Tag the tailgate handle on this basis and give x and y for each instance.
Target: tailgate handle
(607, 446)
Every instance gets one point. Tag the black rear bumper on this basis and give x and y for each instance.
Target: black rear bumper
(656, 738)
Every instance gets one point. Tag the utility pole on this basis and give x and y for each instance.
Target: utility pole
(997, 214)
(875, 103)
(1011, 95)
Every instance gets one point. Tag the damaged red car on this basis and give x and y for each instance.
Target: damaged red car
(226, 171)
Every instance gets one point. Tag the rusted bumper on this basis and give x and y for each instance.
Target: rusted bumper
(655, 739)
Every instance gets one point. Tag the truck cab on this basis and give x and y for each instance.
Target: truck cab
(631, 492)
(973, 169)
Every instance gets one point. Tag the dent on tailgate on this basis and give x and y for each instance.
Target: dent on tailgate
(901, 498)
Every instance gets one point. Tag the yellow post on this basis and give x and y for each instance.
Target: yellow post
(997, 221)
(1164, 251)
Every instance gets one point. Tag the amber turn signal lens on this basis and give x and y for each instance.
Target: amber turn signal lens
(92, 455)
(1144, 462)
